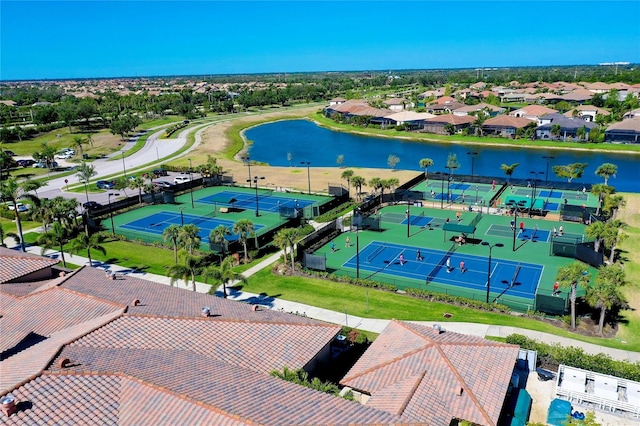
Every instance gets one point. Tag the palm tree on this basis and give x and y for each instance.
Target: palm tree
(139, 184)
(84, 174)
(172, 233)
(596, 232)
(57, 237)
(218, 235)
(347, 175)
(191, 268)
(78, 142)
(601, 190)
(11, 191)
(376, 183)
(612, 204)
(452, 163)
(425, 163)
(244, 229)
(88, 242)
(570, 277)
(613, 237)
(393, 161)
(32, 185)
(509, 169)
(4, 235)
(570, 171)
(188, 237)
(556, 130)
(358, 182)
(606, 170)
(286, 239)
(605, 293)
(224, 274)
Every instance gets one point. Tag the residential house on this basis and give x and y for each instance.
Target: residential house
(434, 376)
(625, 131)
(397, 104)
(505, 125)
(532, 112)
(484, 108)
(358, 108)
(587, 112)
(440, 123)
(337, 101)
(632, 114)
(569, 127)
(514, 96)
(411, 119)
(115, 349)
(579, 96)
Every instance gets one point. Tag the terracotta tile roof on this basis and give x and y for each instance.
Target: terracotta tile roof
(532, 111)
(414, 371)
(506, 121)
(237, 343)
(46, 312)
(30, 362)
(16, 264)
(239, 392)
(451, 119)
(160, 300)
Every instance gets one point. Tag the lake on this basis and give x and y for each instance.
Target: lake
(306, 141)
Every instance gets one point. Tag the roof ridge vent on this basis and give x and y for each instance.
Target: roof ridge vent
(438, 328)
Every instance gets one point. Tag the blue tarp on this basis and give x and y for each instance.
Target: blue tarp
(559, 412)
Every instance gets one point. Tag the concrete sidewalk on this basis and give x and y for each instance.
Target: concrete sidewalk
(344, 318)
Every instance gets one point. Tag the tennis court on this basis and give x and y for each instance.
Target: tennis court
(156, 223)
(533, 234)
(508, 277)
(267, 200)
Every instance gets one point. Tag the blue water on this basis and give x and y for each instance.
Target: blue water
(308, 142)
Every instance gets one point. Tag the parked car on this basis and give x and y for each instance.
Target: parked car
(25, 162)
(181, 179)
(21, 207)
(68, 150)
(162, 184)
(9, 153)
(105, 184)
(160, 172)
(91, 205)
(63, 155)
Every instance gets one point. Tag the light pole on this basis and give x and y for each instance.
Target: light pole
(408, 217)
(473, 155)
(491, 246)
(308, 164)
(124, 169)
(113, 228)
(255, 182)
(191, 183)
(534, 192)
(181, 216)
(247, 160)
(547, 157)
(441, 176)
(515, 219)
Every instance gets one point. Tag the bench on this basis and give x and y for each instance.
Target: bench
(224, 209)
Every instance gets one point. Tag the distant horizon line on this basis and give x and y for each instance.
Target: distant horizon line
(387, 70)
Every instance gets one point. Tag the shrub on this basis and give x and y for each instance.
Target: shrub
(556, 354)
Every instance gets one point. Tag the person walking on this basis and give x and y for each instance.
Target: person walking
(448, 265)
(333, 246)
(419, 255)
(521, 227)
(462, 269)
(513, 225)
(401, 258)
(458, 217)
(554, 232)
(556, 287)
(493, 185)
(347, 242)
(560, 231)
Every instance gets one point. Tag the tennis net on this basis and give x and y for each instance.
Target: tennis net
(202, 218)
(375, 253)
(515, 276)
(416, 219)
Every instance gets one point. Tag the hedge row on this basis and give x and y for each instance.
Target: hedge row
(555, 354)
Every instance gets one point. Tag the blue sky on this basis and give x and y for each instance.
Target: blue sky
(65, 39)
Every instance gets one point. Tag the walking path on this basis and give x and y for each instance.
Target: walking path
(343, 318)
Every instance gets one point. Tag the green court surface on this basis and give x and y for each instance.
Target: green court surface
(437, 193)
(212, 207)
(425, 232)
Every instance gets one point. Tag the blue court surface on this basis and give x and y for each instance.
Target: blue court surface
(507, 277)
(536, 235)
(266, 201)
(550, 194)
(459, 186)
(158, 222)
(421, 221)
(443, 196)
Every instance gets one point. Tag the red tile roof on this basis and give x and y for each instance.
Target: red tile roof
(507, 121)
(16, 264)
(413, 371)
(452, 119)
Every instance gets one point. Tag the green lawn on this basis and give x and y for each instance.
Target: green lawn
(371, 303)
